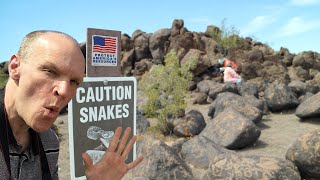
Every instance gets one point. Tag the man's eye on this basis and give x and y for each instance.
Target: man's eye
(75, 82)
(49, 71)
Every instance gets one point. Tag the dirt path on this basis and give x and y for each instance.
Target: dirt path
(278, 132)
(64, 161)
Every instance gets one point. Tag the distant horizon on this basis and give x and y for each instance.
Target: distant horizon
(292, 24)
(130, 35)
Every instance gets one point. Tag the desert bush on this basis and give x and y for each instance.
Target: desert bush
(227, 36)
(3, 79)
(165, 87)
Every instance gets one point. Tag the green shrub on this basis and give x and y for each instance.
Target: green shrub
(227, 37)
(3, 80)
(166, 87)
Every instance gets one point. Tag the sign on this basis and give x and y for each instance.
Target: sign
(100, 106)
(103, 51)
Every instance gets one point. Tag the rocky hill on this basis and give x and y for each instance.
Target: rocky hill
(258, 63)
(273, 81)
(286, 78)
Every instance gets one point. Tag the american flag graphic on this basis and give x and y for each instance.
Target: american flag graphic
(104, 44)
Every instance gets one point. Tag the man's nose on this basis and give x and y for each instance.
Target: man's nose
(62, 88)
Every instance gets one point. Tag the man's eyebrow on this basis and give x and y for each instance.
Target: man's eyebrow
(54, 67)
(51, 65)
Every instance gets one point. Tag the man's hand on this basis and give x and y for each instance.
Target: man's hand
(112, 165)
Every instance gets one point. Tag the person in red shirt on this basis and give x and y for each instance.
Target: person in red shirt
(224, 61)
(230, 75)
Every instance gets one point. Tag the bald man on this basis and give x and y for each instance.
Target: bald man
(43, 78)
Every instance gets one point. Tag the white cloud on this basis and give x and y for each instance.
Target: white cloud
(303, 2)
(298, 25)
(257, 24)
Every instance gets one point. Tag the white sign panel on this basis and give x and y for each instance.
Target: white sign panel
(100, 106)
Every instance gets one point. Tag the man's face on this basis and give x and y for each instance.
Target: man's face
(48, 79)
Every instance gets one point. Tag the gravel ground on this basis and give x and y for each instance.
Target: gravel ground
(278, 132)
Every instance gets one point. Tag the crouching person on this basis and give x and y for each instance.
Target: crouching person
(230, 75)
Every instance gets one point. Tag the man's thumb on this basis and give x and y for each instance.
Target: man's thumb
(87, 160)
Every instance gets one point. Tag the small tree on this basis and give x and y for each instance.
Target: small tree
(4, 74)
(227, 37)
(3, 80)
(165, 87)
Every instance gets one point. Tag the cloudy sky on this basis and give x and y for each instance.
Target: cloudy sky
(294, 24)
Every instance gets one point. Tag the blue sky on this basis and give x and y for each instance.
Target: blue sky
(294, 24)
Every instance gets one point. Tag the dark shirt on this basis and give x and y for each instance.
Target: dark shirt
(27, 164)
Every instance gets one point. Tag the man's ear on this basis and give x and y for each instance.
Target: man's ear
(14, 67)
